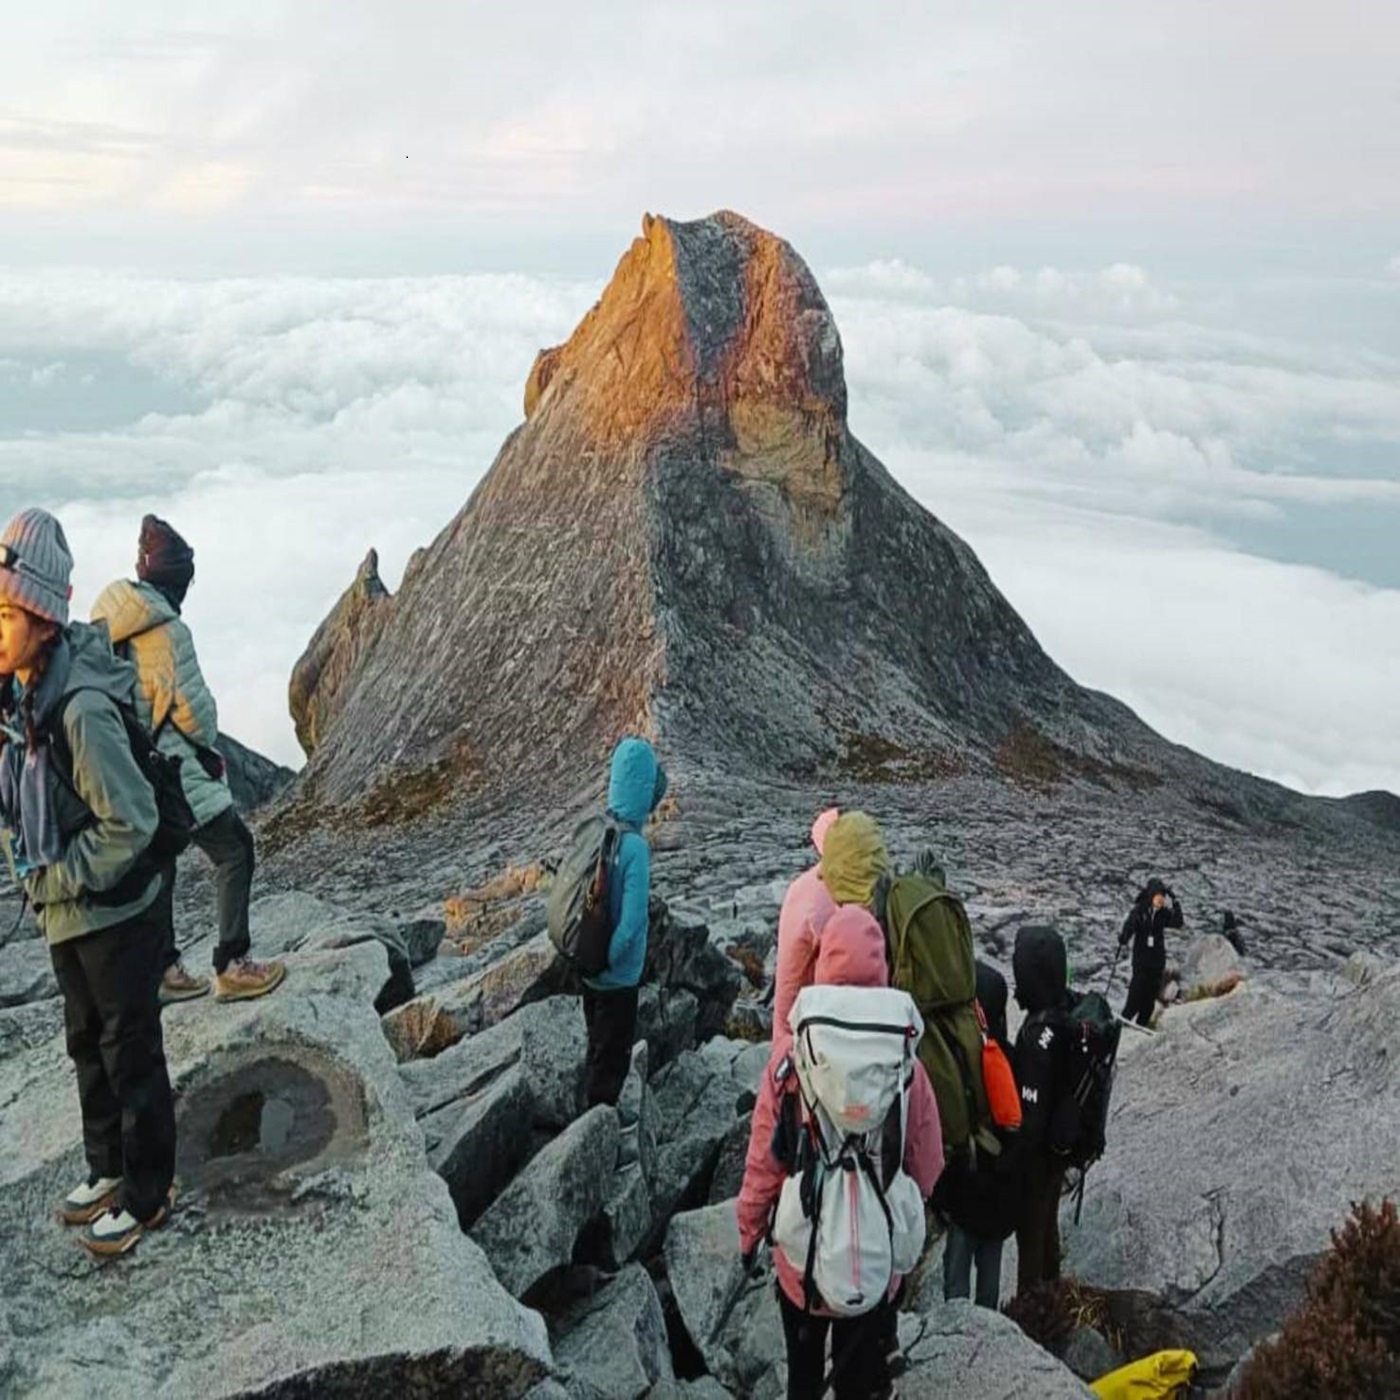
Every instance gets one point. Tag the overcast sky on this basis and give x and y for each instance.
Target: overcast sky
(1119, 287)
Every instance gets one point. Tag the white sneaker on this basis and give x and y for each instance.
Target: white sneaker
(118, 1230)
(88, 1201)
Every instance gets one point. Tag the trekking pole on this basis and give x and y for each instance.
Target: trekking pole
(1113, 971)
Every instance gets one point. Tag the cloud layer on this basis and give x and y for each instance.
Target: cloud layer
(1144, 484)
(929, 111)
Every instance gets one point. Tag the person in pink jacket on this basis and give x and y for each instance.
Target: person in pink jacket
(851, 953)
(806, 908)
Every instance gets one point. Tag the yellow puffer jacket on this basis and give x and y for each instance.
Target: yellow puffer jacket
(170, 687)
(1164, 1376)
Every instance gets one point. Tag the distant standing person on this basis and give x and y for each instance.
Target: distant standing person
(174, 703)
(806, 908)
(1040, 967)
(79, 817)
(636, 787)
(1154, 911)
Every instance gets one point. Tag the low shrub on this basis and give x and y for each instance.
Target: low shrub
(1344, 1341)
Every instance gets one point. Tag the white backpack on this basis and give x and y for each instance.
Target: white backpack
(849, 1218)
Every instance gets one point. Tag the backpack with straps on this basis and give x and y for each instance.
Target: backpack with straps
(175, 824)
(849, 1216)
(1079, 1124)
(932, 959)
(579, 915)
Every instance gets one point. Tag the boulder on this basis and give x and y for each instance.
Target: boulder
(547, 1040)
(1089, 1354)
(1296, 1096)
(699, 1099)
(729, 1164)
(976, 1354)
(313, 1251)
(422, 935)
(1209, 963)
(681, 958)
(706, 1277)
(532, 1227)
(615, 1348)
(295, 921)
(26, 972)
(625, 1223)
(478, 1146)
(667, 1021)
(636, 1108)
(429, 1024)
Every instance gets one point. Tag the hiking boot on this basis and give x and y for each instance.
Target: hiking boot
(244, 980)
(179, 985)
(116, 1231)
(86, 1202)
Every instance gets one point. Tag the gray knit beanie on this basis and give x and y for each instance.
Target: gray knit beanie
(36, 565)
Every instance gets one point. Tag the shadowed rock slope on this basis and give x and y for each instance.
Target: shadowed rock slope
(684, 539)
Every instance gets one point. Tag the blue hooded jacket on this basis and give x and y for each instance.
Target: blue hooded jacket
(635, 790)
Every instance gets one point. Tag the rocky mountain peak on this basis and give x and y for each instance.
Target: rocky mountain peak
(683, 539)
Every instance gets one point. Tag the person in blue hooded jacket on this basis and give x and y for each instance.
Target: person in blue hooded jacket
(635, 790)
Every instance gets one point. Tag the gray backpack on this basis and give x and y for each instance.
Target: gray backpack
(580, 925)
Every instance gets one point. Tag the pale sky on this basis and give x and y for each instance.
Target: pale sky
(1119, 286)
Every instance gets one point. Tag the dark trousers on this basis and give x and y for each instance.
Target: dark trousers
(1141, 1004)
(112, 1014)
(611, 1018)
(959, 1255)
(1038, 1238)
(859, 1353)
(229, 844)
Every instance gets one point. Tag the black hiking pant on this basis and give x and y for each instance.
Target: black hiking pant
(611, 1018)
(229, 845)
(1141, 1004)
(859, 1355)
(112, 1015)
(1038, 1236)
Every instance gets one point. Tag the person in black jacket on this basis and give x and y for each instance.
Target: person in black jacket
(982, 1203)
(1041, 969)
(1154, 911)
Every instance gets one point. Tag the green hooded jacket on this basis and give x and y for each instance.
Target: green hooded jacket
(107, 818)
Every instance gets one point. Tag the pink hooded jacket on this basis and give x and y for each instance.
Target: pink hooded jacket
(806, 908)
(852, 954)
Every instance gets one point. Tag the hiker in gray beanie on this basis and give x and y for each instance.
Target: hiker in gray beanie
(79, 816)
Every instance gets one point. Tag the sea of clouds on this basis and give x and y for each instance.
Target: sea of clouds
(1194, 512)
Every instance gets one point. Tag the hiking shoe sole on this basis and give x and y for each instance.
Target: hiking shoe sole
(169, 998)
(85, 1215)
(110, 1249)
(250, 993)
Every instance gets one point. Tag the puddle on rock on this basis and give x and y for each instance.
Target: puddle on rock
(240, 1132)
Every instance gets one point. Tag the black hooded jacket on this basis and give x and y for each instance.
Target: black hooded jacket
(1146, 927)
(1041, 968)
(985, 1200)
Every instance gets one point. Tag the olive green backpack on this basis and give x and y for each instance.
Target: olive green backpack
(931, 958)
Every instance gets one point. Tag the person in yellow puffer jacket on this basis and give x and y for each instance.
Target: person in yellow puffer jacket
(173, 702)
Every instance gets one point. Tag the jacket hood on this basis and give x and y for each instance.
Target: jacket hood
(991, 992)
(1040, 966)
(83, 660)
(853, 858)
(852, 951)
(822, 825)
(637, 782)
(129, 609)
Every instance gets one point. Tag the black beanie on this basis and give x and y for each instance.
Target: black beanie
(164, 560)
